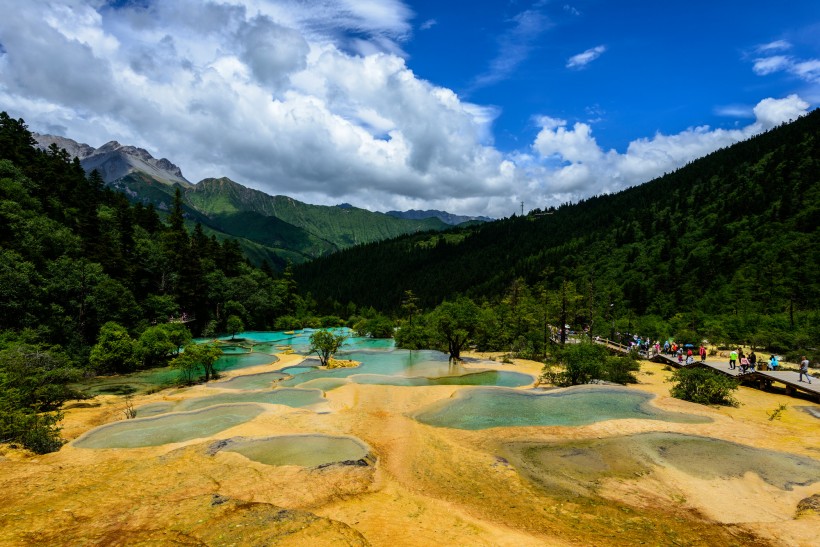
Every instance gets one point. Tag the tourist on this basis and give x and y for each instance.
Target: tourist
(702, 352)
(690, 359)
(804, 369)
(753, 360)
(744, 364)
(732, 359)
(773, 362)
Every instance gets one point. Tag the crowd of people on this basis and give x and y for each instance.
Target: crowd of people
(738, 360)
(686, 354)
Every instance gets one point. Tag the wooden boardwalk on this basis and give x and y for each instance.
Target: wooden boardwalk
(761, 379)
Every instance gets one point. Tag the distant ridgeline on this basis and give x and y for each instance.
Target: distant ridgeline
(275, 229)
(75, 254)
(734, 234)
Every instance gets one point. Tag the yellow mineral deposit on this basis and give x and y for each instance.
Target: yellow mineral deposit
(732, 477)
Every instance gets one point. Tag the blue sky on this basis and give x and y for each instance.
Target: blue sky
(661, 66)
(470, 107)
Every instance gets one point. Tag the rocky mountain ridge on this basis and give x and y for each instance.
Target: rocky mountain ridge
(269, 228)
(114, 161)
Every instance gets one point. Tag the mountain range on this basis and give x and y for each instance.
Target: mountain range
(734, 234)
(444, 216)
(276, 229)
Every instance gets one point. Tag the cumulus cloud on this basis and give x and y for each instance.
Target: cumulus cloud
(583, 168)
(272, 51)
(279, 96)
(583, 59)
(259, 92)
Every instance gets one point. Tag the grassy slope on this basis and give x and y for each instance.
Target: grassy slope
(277, 228)
(339, 227)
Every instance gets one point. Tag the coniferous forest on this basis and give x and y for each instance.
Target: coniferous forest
(725, 249)
(91, 284)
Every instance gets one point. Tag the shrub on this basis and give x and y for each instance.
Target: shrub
(586, 362)
(41, 434)
(703, 386)
(37, 432)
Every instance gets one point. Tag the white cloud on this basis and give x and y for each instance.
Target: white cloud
(808, 70)
(772, 112)
(768, 65)
(734, 111)
(514, 47)
(271, 95)
(585, 169)
(805, 69)
(272, 51)
(428, 24)
(777, 45)
(576, 145)
(583, 59)
(258, 92)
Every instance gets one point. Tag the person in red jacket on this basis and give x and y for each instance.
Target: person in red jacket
(702, 352)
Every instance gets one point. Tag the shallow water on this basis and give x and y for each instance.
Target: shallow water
(243, 360)
(483, 408)
(263, 380)
(484, 378)
(582, 464)
(168, 428)
(299, 369)
(148, 380)
(406, 368)
(295, 397)
(325, 384)
(121, 384)
(153, 409)
(299, 340)
(233, 350)
(302, 450)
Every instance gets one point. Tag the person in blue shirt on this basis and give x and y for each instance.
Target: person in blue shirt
(773, 364)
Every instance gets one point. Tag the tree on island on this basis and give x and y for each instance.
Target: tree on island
(452, 325)
(325, 344)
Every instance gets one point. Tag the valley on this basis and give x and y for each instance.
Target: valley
(723, 476)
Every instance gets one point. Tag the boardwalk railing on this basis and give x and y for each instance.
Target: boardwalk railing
(760, 379)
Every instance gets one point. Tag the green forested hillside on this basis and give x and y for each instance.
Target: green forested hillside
(91, 284)
(727, 247)
(273, 228)
(322, 229)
